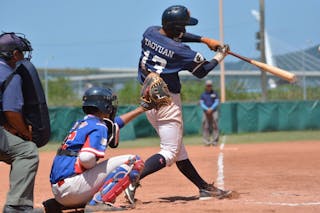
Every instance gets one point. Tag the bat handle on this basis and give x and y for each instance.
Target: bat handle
(239, 56)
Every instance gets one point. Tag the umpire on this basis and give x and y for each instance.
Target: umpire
(16, 148)
(209, 102)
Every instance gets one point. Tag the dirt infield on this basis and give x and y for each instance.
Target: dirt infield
(270, 177)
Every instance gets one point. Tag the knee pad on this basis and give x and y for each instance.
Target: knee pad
(137, 165)
(118, 180)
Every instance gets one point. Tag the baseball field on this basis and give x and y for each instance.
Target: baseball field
(270, 176)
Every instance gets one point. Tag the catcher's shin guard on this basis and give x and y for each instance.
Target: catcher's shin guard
(118, 180)
(137, 167)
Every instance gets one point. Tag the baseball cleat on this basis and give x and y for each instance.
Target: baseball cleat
(212, 191)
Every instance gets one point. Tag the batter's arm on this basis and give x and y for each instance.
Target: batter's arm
(189, 37)
(204, 68)
(211, 43)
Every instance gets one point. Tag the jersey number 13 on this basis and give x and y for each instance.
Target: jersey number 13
(159, 63)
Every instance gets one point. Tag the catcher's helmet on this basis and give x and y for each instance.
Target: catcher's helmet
(101, 98)
(174, 20)
(10, 42)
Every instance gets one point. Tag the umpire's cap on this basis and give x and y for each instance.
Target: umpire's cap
(12, 41)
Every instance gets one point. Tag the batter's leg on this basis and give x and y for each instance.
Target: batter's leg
(167, 123)
(188, 170)
(206, 191)
(153, 164)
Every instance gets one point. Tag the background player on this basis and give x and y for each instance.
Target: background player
(76, 177)
(164, 53)
(209, 102)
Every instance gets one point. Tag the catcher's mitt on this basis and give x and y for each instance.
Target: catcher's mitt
(154, 93)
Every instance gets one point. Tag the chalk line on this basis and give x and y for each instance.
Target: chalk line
(220, 177)
(285, 204)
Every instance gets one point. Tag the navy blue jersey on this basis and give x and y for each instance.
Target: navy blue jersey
(167, 57)
(209, 100)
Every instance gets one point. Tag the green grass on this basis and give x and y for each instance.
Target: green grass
(230, 139)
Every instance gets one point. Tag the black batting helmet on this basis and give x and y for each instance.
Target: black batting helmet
(14, 41)
(102, 99)
(174, 20)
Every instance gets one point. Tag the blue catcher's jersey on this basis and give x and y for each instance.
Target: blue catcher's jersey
(167, 57)
(89, 134)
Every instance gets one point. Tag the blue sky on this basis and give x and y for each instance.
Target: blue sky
(103, 33)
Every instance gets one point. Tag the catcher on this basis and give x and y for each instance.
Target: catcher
(77, 177)
(165, 54)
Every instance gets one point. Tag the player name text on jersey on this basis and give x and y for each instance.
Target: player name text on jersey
(160, 49)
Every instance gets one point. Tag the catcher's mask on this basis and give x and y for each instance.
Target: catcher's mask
(174, 20)
(10, 42)
(101, 98)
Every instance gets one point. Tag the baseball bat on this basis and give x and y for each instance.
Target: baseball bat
(268, 68)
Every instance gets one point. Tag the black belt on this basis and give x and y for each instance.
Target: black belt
(67, 152)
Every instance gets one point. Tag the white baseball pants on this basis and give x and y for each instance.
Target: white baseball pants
(168, 123)
(79, 189)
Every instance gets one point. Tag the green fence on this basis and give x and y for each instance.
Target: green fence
(234, 118)
(62, 119)
(269, 116)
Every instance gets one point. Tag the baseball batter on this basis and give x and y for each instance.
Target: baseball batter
(76, 176)
(164, 53)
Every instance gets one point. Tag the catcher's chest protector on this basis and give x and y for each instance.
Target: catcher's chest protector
(35, 109)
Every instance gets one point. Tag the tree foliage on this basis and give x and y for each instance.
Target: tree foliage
(60, 93)
(130, 93)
